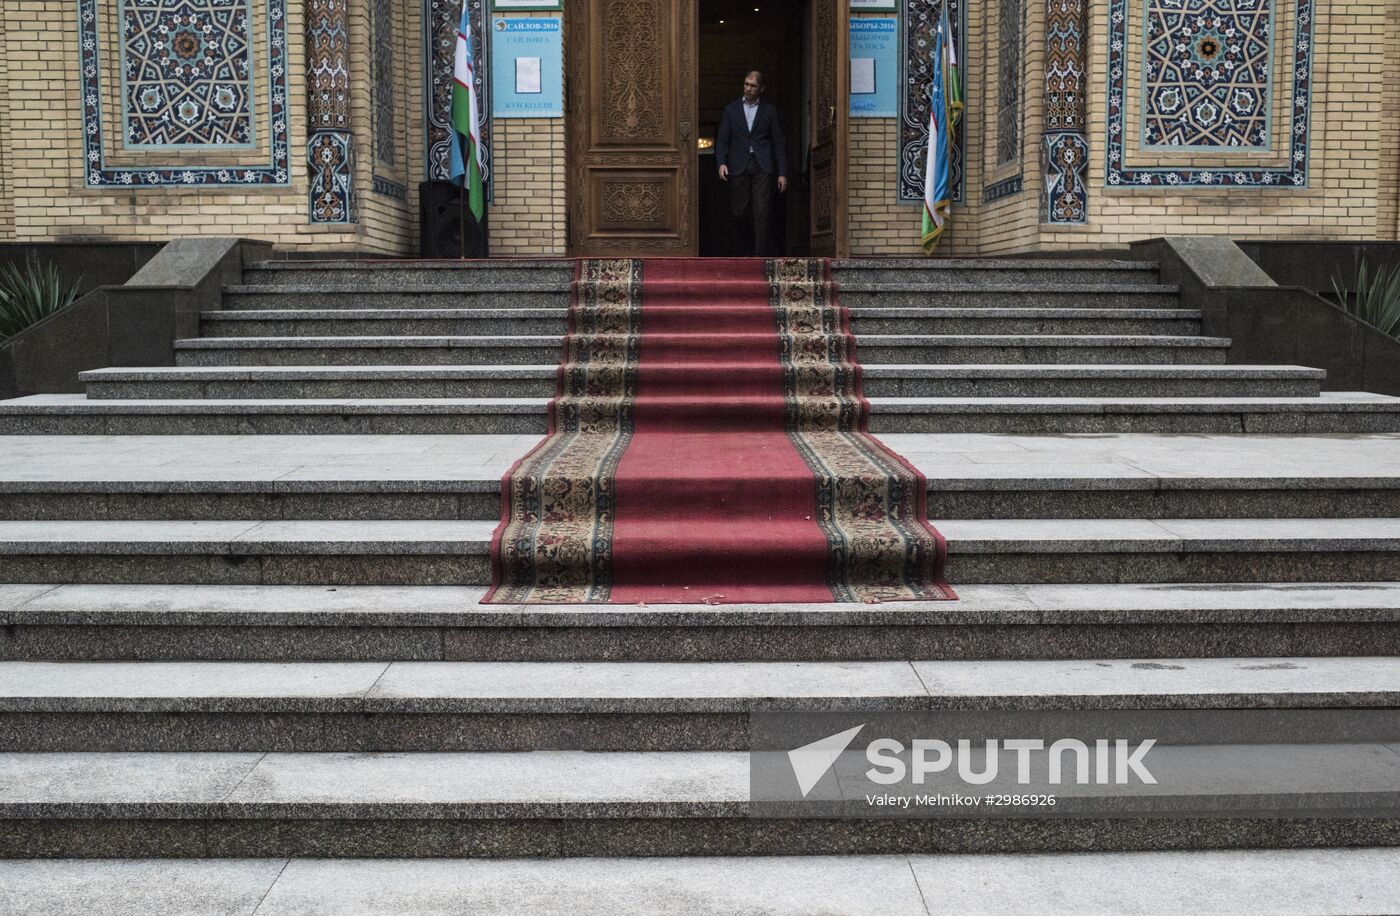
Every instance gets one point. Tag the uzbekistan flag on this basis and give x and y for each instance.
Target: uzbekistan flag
(466, 151)
(945, 108)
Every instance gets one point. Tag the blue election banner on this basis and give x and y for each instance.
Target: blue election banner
(527, 67)
(874, 54)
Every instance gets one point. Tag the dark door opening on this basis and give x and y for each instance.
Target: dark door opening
(736, 37)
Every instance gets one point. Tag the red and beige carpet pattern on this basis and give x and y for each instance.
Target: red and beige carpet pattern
(708, 443)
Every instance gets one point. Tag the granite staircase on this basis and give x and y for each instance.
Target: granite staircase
(241, 616)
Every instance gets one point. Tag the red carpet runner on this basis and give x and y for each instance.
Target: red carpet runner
(707, 442)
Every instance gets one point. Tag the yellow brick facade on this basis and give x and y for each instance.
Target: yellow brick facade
(1388, 206)
(1342, 200)
(7, 196)
(1353, 190)
(528, 211)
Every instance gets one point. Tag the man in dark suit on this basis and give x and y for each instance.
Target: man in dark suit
(750, 150)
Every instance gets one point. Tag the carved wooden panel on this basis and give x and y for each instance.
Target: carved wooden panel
(633, 99)
(631, 115)
(640, 200)
(829, 127)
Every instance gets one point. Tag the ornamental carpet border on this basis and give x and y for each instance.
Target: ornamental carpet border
(708, 443)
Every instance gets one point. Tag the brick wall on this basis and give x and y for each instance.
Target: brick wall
(1388, 205)
(1341, 200)
(1353, 193)
(879, 225)
(1354, 181)
(528, 216)
(7, 198)
(528, 213)
(43, 154)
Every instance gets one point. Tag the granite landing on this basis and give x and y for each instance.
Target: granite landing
(1289, 881)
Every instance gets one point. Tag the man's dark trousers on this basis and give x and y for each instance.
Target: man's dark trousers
(752, 192)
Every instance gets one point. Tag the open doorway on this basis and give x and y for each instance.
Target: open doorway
(737, 36)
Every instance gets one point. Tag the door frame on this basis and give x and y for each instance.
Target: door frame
(631, 170)
(601, 163)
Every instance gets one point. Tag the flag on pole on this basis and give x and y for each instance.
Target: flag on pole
(466, 147)
(945, 109)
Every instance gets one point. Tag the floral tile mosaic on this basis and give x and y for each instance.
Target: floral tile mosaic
(187, 73)
(189, 70)
(1206, 86)
(1208, 70)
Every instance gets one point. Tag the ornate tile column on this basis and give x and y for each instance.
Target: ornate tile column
(918, 23)
(330, 148)
(440, 47)
(1065, 144)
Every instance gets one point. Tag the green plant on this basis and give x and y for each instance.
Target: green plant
(30, 294)
(1372, 294)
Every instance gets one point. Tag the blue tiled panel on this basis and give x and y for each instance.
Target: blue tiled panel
(1208, 68)
(919, 23)
(188, 84)
(187, 73)
(440, 19)
(1297, 56)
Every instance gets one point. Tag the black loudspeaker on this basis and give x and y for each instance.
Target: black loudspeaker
(440, 223)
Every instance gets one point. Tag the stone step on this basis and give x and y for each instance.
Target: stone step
(453, 275)
(874, 350)
(456, 552)
(519, 273)
(448, 623)
(461, 498)
(552, 321)
(536, 294)
(457, 477)
(1060, 884)
(881, 380)
(458, 497)
(579, 803)
(953, 272)
(1330, 412)
(325, 706)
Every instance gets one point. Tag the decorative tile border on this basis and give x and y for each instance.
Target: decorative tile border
(918, 24)
(1065, 165)
(386, 174)
(1011, 105)
(1011, 41)
(382, 108)
(388, 188)
(1294, 174)
(1064, 146)
(330, 148)
(98, 175)
(440, 18)
(994, 192)
(330, 154)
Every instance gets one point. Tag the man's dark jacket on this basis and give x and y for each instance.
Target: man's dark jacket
(734, 139)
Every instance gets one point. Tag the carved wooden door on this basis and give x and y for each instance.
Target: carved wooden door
(631, 126)
(830, 110)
